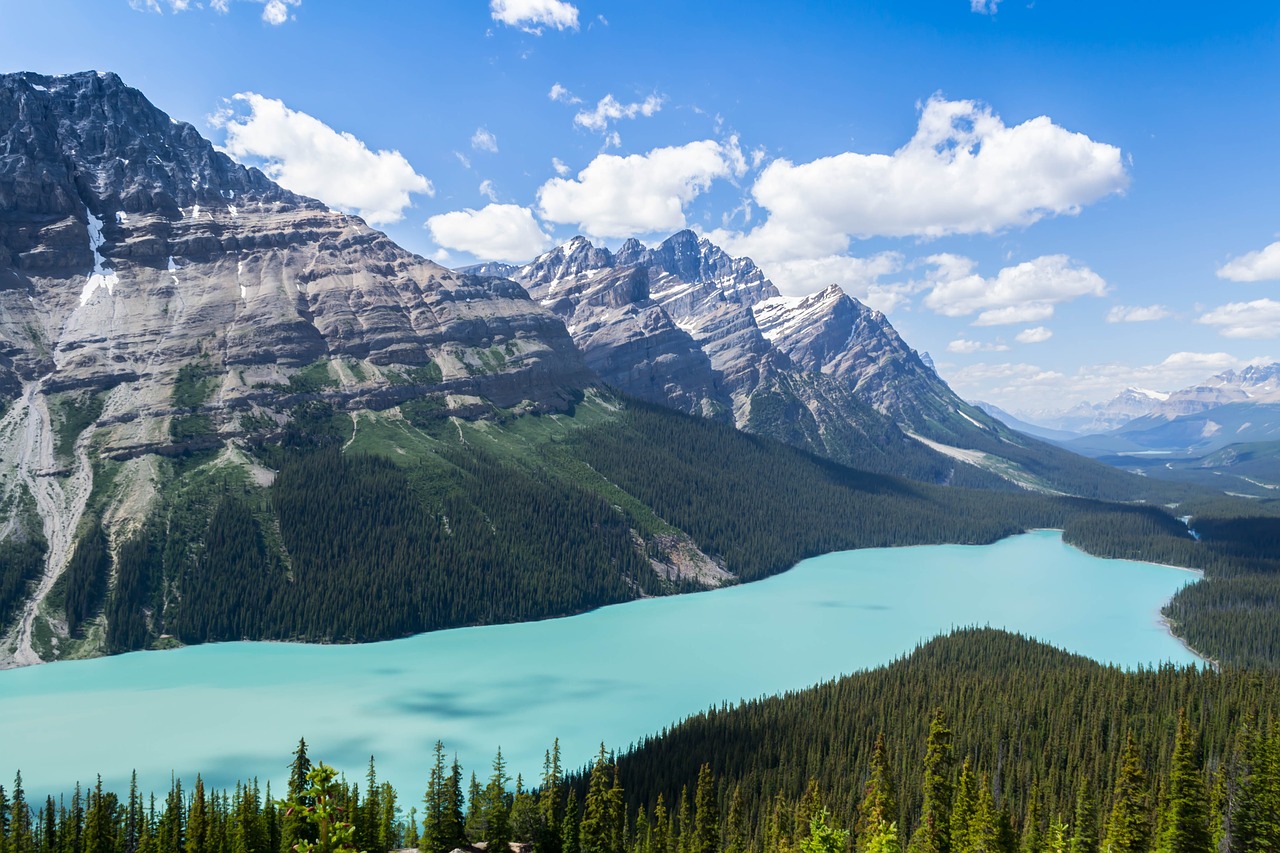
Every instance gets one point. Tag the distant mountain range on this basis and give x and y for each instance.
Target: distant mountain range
(1226, 426)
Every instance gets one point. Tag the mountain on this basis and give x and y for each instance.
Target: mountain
(232, 413)
(685, 325)
(1088, 418)
(1023, 426)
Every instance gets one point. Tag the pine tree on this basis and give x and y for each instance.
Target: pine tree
(706, 816)
(198, 820)
(1128, 826)
(983, 835)
(20, 834)
(933, 833)
(596, 831)
(683, 834)
(1185, 817)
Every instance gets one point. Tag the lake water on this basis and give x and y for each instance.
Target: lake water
(235, 710)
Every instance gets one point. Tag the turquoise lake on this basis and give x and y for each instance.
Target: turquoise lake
(235, 710)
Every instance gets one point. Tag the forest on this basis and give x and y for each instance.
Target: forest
(374, 544)
(979, 741)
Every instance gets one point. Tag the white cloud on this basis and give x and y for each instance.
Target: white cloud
(487, 190)
(963, 172)
(483, 140)
(1029, 389)
(1257, 319)
(561, 167)
(1262, 265)
(617, 196)
(965, 347)
(610, 109)
(533, 15)
(307, 156)
(497, 232)
(563, 95)
(1137, 313)
(859, 277)
(984, 7)
(274, 12)
(1036, 335)
(1025, 293)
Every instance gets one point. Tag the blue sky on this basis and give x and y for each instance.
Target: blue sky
(1087, 203)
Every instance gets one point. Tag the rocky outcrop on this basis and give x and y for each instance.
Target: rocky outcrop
(129, 246)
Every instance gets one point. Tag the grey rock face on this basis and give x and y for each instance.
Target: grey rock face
(129, 247)
(625, 336)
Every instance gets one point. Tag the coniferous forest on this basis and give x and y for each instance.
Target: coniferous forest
(358, 546)
(980, 741)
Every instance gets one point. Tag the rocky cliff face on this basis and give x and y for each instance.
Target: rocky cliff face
(131, 249)
(686, 325)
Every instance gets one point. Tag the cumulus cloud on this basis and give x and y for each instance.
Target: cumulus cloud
(861, 278)
(965, 347)
(274, 12)
(610, 109)
(616, 196)
(1036, 335)
(483, 140)
(497, 232)
(1025, 293)
(307, 156)
(1137, 313)
(533, 16)
(563, 95)
(963, 172)
(1262, 265)
(1257, 319)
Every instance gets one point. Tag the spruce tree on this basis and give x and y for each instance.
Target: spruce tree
(963, 808)
(1129, 826)
(1032, 825)
(296, 828)
(706, 816)
(1084, 828)
(1185, 816)
(569, 833)
(735, 824)
(596, 831)
(660, 834)
(933, 833)
(20, 834)
(879, 806)
(497, 814)
(550, 802)
(475, 826)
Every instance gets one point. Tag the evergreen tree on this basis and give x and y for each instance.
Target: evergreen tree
(475, 825)
(1185, 816)
(296, 828)
(1084, 829)
(706, 817)
(596, 831)
(1032, 825)
(735, 825)
(525, 816)
(497, 814)
(822, 837)
(879, 806)
(983, 835)
(963, 809)
(1129, 826)
(660, 834)
(683, 834)
(550, 802)
(569, 833)
(933, 835)
(198, 820)
(20, 829)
